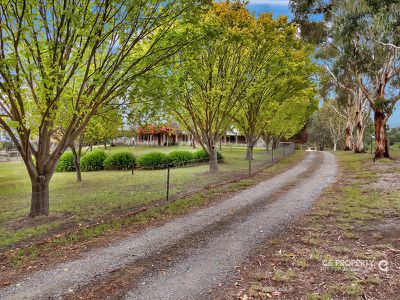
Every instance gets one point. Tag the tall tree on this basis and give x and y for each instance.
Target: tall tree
(292, 115)
(368, 32)
(335, 123)
(207, 83)
(281, 70)
(63, 60)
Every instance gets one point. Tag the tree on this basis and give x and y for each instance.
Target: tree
(352, 105)
(293, 114)
(368, 35)
(207, 83)
(334, 121)
(61, 62)
(318, 132)
(104, 126)
(281, 70)
(394, 136)
(368, 32)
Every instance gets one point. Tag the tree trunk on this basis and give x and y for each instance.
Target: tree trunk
(40, 196)
(359, 139)
(249, 152)
(334, 146)
(348, 144)
(274, 143)
(266, 140)
(77, 157)
(250, 145)
(213, 159)
(381, 144)
(77, 163)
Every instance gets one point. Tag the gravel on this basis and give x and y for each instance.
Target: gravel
(207, 264)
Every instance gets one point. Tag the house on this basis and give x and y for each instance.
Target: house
(172, 134)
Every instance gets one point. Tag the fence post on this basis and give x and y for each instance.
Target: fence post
(168, 171)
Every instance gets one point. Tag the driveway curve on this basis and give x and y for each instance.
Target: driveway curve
(243, 220)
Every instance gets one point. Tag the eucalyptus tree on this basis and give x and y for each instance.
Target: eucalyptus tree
(60, 61)
(368, 34)
(281, 69)
(369, 31)
(351, 105)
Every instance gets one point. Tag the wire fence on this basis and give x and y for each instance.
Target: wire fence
(9, 156)
(105, 195)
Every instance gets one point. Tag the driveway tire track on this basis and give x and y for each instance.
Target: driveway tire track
(97, 264)
(209, 265)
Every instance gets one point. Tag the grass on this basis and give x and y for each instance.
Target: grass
(102, 194)
(66, 244)
(343, 226)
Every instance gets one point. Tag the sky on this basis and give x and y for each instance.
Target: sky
(281, 7)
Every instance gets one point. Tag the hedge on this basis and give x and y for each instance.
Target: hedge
(180, 158)
(93, 161)
(153, 160)
(66, 163)
(202, 156)
(120, 161)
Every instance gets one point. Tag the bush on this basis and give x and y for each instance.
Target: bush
(153, 160)
(66, 163)
(180, 158)
(120, 161)
(93, 161)
(202, 156)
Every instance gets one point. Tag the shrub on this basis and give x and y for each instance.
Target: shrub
(120, 161)
(202, 156)
(180, 158)
(93, 161)
(66, 163)
(153, 160)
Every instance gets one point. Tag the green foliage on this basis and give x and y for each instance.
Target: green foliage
(159, 160)
(120, 161)
(154, 160)
(202, 156)
(180, 158)
(93, 161)
(104, 126)
(394, 136)
(66, 163)
(69, 61)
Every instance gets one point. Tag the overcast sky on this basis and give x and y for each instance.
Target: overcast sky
(281, 7)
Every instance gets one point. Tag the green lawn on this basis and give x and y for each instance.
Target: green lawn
(102, 193)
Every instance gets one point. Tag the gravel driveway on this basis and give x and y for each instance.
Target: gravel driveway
(244, 220)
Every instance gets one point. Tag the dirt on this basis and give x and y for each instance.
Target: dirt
(388, 182)
(49, 254)
(225, 234)
(118, 283)
(69, 276)
(30, 222)
(291, 265)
